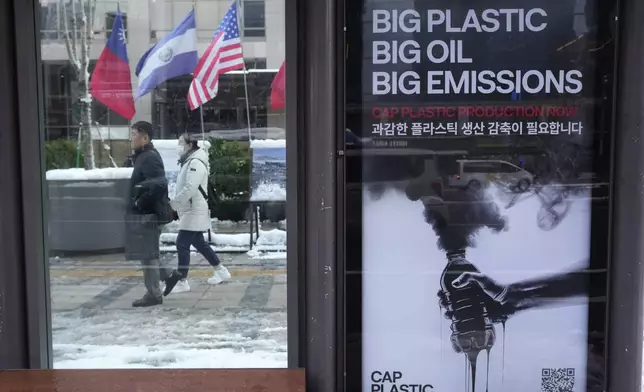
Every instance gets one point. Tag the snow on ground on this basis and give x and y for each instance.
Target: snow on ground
(269, 192)
(268, 143)
(269, 240)
(258, 255)
(173, 226)
(95, 174)
(273, 237)
(169, 338)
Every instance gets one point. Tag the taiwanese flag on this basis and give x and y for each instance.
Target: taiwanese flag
(278, 88)
(110, 83)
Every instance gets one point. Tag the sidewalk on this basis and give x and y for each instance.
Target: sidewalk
(239, 323)
(110, 282)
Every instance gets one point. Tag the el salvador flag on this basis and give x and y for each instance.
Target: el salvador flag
(175, 55)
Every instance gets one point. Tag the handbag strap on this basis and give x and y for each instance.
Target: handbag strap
(203, 193)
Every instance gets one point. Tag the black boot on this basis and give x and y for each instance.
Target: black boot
(146, 301)
(171, 282)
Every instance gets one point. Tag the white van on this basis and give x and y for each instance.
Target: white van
(476, 173)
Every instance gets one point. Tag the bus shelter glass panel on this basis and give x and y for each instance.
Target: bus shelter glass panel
(166, 176)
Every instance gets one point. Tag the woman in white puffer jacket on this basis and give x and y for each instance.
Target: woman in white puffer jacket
(192, 208)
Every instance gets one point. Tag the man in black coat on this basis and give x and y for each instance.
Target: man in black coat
(148, 210)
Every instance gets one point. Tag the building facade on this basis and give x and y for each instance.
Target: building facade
(262, 28)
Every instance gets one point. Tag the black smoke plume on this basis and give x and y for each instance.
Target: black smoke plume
(459, 217)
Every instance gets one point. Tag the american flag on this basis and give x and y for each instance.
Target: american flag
(224, 54)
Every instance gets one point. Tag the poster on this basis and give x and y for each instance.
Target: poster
(480, 185)
(268, 173)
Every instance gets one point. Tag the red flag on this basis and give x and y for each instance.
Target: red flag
(110, 83)
(278, 95)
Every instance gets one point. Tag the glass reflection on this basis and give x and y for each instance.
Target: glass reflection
(96, 55)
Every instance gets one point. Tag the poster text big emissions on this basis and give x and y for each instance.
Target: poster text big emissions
(474, 81)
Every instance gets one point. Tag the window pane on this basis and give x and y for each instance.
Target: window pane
(254, 14)
(254, 33)
(115, 246)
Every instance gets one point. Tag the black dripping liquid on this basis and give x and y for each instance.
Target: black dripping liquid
(472, 329)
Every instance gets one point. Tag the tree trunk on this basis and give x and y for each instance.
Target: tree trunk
(85, 107)
(78, 49)
(82, 115)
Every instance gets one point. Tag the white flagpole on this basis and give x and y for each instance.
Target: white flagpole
(239, 8)
(203, 129)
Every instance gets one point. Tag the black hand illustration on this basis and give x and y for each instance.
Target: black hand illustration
(489, 285)
(505, 300)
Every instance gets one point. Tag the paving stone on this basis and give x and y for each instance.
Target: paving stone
(277, 296)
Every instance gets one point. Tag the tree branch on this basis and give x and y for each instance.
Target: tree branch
(71, 49)
(84, 46)
(74, 27)
(89, 13)
(92, 15)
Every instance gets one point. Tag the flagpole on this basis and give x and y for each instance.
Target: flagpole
(203, 127)
(245, 72)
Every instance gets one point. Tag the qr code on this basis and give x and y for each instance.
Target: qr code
(557, 380)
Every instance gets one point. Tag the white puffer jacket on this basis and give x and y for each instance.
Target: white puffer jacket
(189, 203)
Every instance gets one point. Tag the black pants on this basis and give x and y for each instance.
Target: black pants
(195, 238)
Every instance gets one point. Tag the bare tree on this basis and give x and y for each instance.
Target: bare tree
(78, 18)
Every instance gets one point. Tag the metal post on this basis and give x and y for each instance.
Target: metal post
(317, 107)
(294, 193)
(626, 268)
(24, 316)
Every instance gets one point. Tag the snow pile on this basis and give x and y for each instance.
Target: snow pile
(231, 240)
(216, 221)
(141, 357)
(268, 143)
(269, 192)
(111, 173)
(273, 237)
(258, 255)
(270, 240)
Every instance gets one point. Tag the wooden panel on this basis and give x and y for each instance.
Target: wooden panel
(255, 380)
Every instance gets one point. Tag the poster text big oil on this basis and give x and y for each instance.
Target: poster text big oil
(408, 23)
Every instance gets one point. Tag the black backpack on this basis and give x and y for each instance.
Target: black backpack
(212, 198)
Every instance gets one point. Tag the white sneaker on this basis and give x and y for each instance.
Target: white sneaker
(181, 287)
(221, 274)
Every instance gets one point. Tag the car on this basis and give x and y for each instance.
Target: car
(474, 174)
